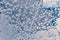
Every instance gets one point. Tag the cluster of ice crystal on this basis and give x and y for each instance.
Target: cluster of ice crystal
(21, 19)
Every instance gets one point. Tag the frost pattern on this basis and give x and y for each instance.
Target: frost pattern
(22, 19)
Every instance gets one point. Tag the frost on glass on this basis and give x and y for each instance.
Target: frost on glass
(29, 20)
